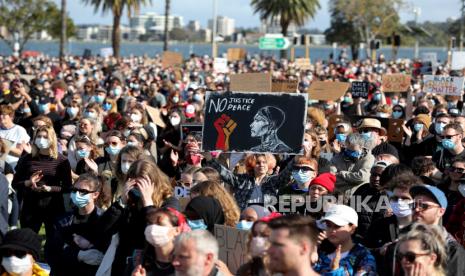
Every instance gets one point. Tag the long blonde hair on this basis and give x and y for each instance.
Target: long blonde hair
(52, 138)
(228, 203)
(146, 167)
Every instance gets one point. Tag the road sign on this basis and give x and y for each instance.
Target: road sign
(273, 43)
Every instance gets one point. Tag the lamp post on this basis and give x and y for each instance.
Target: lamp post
(417, 12)
(214, 52)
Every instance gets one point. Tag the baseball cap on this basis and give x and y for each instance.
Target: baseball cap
(341, 215)
(431, 191)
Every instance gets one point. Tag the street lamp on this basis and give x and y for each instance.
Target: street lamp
(214, 30)
(417, 12)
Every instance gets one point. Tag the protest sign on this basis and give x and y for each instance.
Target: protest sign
(220, 65)
(155, 116)
(360, 89)
(396, 83)
(193, 129)
(443, 85)
(171, 59)
(458, 60)
(254, 122)
(180, 192)
(106, 52)
(257, 82)
(289, 86)
(303, 63)
(327, 90)
(232, 243)
(395, 130)
(236, 54)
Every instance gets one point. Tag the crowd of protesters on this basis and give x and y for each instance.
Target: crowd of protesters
(84, 157)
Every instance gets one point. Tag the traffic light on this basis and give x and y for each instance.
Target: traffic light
(375, 44)
(397, 40)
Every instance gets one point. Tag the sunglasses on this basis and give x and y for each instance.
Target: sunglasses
(422, 206)
(13, 252)
(410, 256)
(81, 191)
(303, 168)
(184, 184)
(448, 136)
(115, 144)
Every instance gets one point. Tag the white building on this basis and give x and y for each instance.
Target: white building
(193, 26)
(224, 25)
(154, 22)
(87, 32)
(273, 27)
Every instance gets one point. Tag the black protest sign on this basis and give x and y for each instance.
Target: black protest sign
(192, 129)
(359, 89)
(254, 122)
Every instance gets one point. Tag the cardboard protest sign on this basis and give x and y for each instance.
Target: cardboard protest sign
(191, 128)
(395, 130)
(289, 86)
(257, 82)
(171, 59)
(303, 63)
(254, 122)
(443, 85)
(360, 89)
(327, 90)
(106, 52)
(155, 116)
(458, 60)
(232, 243)
(220, 65)
(236, 54)
(396, 83)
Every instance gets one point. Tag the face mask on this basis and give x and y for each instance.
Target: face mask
(42, 143)
(106, 106)
(403, 104)
(413, 99)
(395, 102)
(83, 153)
(193, 159)
(17, 266)
(448, 144)
(451, 105)
(125, 167)
(197, 97)
(377, 97)
(134, 144)
(382, 115)
(462, 189)
(26, 110)
(117, 91)
(157, 235)
(396, 114)
(347, 99)
(417, 127)
(175, 121)
(80, 200)
(366, 135)
(112, 150)
(136, 118)
(327, 106)
(258, 246)
(301, 177)
(341, 137)
(244, 225)
(175, 99)
(126, 132)
(400, 208)
(197, 224)
(72, 111)
(91, 115)
(352, 153)
(43, 108)
(439, 127)
(99, 99)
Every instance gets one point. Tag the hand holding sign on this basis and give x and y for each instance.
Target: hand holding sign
(224, 125)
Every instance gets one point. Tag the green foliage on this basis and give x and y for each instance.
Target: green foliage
(54, 29)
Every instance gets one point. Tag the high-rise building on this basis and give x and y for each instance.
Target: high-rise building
(224, 25)
(156, 23)
(193, 26)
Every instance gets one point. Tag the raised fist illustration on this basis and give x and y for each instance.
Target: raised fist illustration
(224, 126)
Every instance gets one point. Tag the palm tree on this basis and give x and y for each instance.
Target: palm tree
(286, 12)
(117, 8)
(167, 34)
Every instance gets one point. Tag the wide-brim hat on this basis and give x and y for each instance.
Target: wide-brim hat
(373, 123)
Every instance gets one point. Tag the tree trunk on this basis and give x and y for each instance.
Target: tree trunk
(63, 31)
(354, 49)
(167, 34)
(284, 27)
(116, 34)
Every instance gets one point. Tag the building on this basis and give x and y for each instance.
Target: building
(87, 32)
(224, 25)
(193, 26)
(273, 27)
(155, 23)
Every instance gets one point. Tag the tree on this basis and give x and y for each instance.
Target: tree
(117, 8)
(179, 34)
(54, 29)
(23, 18)
(287, 12)
(343, 32)
(166, 32)
(369, 18)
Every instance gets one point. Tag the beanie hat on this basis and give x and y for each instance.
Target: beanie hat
(424, 119)
(326, 180)
(22, 239)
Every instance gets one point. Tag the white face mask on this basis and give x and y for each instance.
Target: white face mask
(157, 235)
(125, 167)
(17, 266)
(401, 208)
(42, 143)
(258, 246)
(136, 118)
(175, 121)
(462, 189)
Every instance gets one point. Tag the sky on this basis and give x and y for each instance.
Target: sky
(241, 11)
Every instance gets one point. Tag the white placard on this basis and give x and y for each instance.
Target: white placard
(106, 52)
(220, 65)
(458, 60)
(443, 85)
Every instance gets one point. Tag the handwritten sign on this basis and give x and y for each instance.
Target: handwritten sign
(289, 86)
(254, 122)
(106, 52)
(220, 65)
(257, 82)
(443, 85)
(360, 89)
(396, 83)
(235, 54)
(233, 246)
(303, 63)
(171, 59)
(458, 60)
(327, 90)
